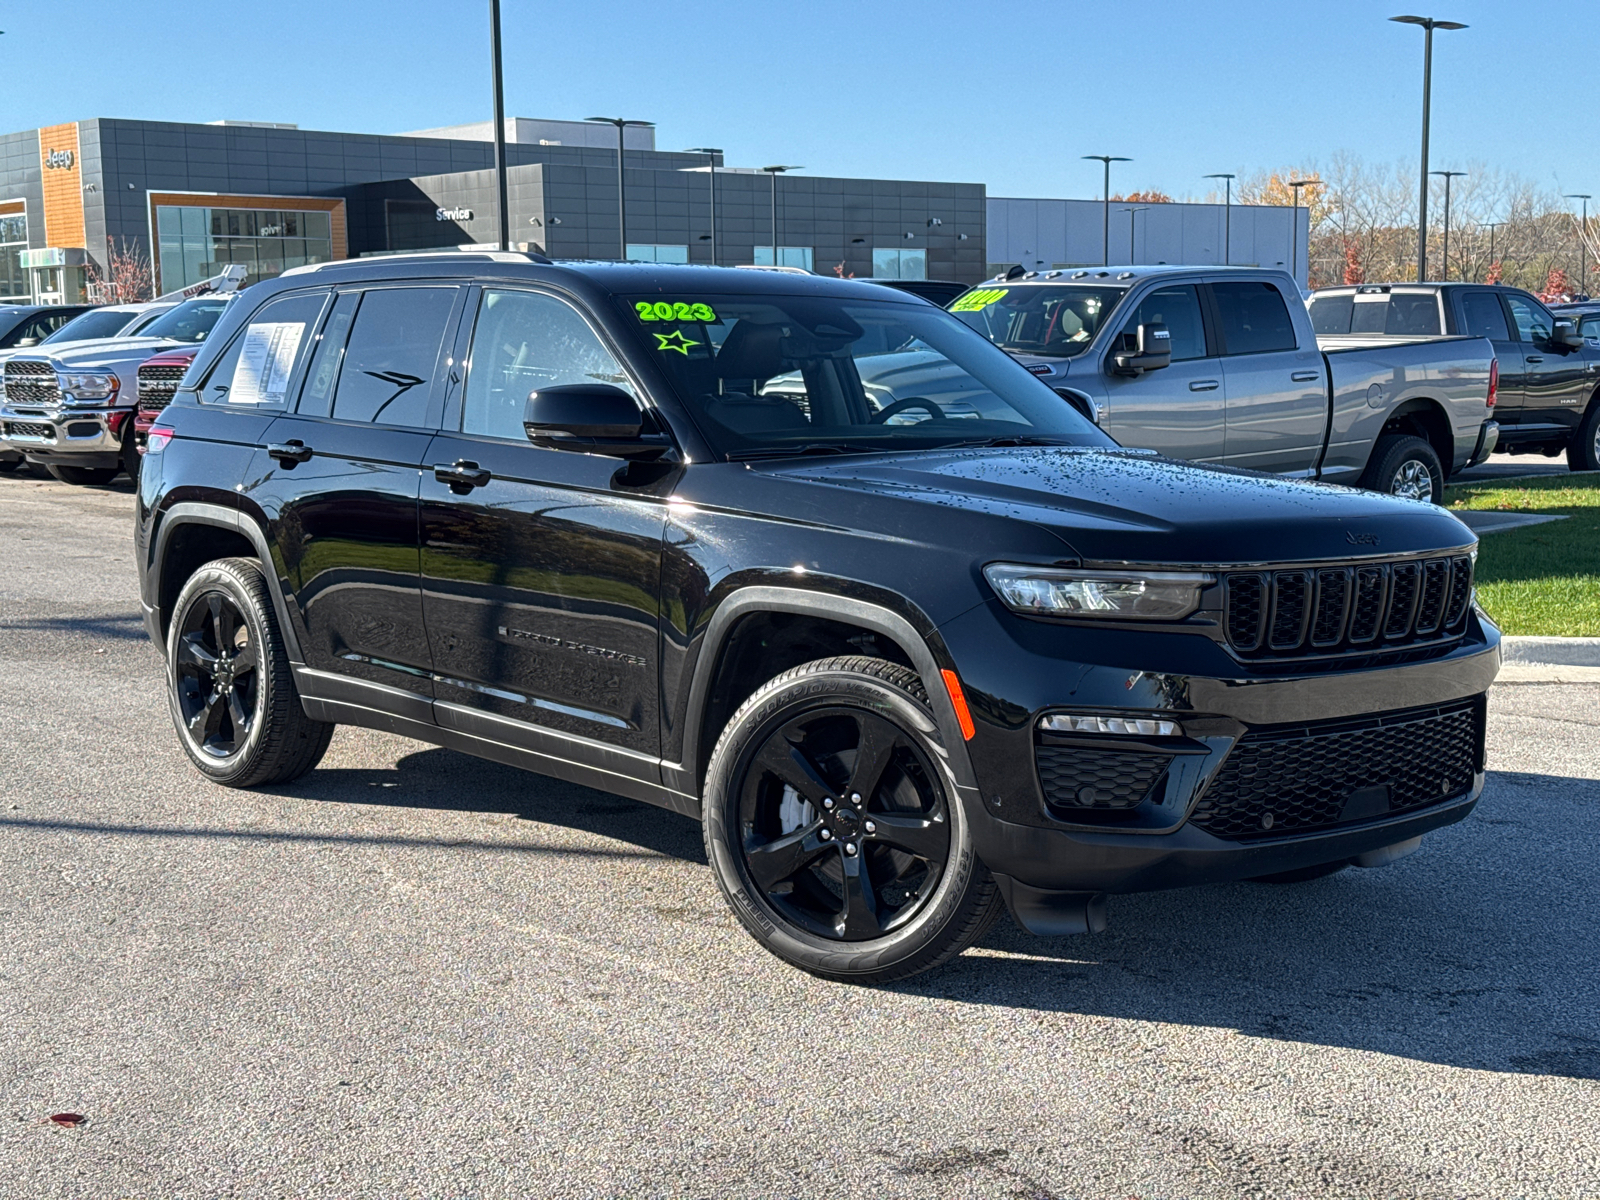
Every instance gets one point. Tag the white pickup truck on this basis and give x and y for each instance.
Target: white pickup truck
(1221, 365)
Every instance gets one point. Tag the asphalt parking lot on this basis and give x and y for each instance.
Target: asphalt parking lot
(415, 974)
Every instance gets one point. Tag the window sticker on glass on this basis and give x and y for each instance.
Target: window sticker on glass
(261, 376)
(665, 310)
(978, 300)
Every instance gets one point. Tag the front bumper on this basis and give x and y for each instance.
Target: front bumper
(1018, 833)
(73, 437)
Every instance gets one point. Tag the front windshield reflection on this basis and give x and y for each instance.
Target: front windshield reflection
(1053, 320)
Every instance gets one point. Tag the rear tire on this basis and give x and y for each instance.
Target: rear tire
(835, 830)
(1406, 466)
(229, 687)
(1583, 451)
(85, 476)
(1303, 874)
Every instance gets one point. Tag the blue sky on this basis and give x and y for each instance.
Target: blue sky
(1006, 93)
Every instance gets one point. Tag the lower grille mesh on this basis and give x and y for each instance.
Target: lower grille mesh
(1088, 777)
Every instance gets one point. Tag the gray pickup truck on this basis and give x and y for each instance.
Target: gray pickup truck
(1221, 365)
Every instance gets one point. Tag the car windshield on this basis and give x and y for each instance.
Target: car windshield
(767, 374)
(1056, 321)
(96, 323)
(191, 321)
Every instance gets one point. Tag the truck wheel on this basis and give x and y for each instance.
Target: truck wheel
(1405, 466)
(1303, 874)
(85, 476)
(229, 686)
(8, 465)
(131, 458)
(1583, 451)
(834, 829)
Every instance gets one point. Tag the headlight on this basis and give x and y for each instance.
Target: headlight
(88, 387)
(1115, 595)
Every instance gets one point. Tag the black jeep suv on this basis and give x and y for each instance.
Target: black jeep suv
(909, 659)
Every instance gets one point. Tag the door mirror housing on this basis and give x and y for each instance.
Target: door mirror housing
(1152, 351)
(1082, 403)
(27, 341)
(592, 418)
(1565, 333)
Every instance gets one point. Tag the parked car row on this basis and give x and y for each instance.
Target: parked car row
(822, 566)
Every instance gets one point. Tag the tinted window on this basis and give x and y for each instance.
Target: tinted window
(1254, 318)
(522, 342)
(96, 323)
(1412, 313)
(316, 400)
(766, 374)
(1055, 320)
(1533, 323)
(1589, 327)
(1178, 308)
(1331, 314)
(38, 327)
(191, 321)
(260, 363)
(389, 362)
(1482, 316)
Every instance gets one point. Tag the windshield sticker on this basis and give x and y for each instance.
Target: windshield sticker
(980, 299)
(261, 376)
(662, 310)
(675, 341)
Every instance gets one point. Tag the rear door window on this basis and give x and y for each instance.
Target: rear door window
(260, 364)
(1254, 318)
(1482, 316)
(393, 355)
(1178, 308)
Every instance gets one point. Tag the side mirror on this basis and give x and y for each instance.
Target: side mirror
(1153, 350)
(27, 341)
(1080, 402)
(1566, 334)
(591, 418)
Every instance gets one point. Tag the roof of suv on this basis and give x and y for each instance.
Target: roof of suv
(1124, 275)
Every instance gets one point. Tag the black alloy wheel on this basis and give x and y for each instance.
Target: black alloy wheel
(834, 828)
(842, 827)
(218, 675)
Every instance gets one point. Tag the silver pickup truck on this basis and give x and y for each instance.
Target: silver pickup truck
(1222, 365)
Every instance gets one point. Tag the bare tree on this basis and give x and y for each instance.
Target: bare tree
(126, 278)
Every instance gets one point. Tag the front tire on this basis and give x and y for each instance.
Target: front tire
(229, 687)
(85, 476)
(834, 828)
(1583, 451)
(1406, 466)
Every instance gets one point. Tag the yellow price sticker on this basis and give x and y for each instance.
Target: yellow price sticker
(982, 298)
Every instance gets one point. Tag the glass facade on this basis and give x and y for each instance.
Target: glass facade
(657, 254)
(197, 242)
(13, 241)
(788, 256)
(899, 264)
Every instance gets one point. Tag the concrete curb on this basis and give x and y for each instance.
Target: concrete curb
(1550, 660)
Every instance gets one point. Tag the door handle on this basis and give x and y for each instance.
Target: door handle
(1204, 385)
(461, 475)
(290, 452)
(1304, 376)
(1533, 358)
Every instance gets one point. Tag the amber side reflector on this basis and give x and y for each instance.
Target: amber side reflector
(952, 684)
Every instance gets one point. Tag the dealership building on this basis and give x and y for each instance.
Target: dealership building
(195, 198)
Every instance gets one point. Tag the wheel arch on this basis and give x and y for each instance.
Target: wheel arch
(1426, 418)
(193, 533)
(746, 610)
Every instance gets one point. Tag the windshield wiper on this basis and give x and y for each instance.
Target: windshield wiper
(1012, 439)
(797, 451)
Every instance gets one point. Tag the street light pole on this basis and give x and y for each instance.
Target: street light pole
(1294, 229)
(1492, 226)
(774, 172)
(1448, 176)
(712, 154)
(1428, 24)
(1227, 219)
(1105, 237)
(499, 125)
(1132, 214)
(1583, 241)
(622, 203)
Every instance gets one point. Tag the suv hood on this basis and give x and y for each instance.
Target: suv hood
(106, 352)
(1120, 506)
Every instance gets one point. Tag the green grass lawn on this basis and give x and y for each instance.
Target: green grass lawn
(1544, 579)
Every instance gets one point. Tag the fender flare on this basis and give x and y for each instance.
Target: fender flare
(199, 512)
(760, 598)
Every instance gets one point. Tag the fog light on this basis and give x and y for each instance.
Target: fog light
(1116, 726)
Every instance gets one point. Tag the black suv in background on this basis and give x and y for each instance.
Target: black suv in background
(910, 660)
(1549, 389)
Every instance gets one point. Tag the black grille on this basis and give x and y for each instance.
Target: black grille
(31, 383)
(1285, 780)
(1088, 777)
(1332, 609)
(28, 429)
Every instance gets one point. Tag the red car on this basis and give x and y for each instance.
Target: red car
(158, 380)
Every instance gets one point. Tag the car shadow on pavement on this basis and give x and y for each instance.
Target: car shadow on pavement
(1476, 952)
(445, 780)
(122, 627)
